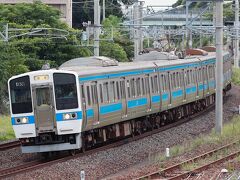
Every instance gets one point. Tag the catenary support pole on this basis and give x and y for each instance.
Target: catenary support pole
(104, 10)
(96, 27)
(236, 49)
(136, 29)
(219, 65)
(140, 28)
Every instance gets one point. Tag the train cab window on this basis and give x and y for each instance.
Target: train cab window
(65, 91)
(20, 92)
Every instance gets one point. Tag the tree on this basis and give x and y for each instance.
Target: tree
(26, 53)
(11, 63)
(121, 39)
(114, 50)
(83, 10)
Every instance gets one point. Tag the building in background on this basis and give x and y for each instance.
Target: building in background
(65, 6)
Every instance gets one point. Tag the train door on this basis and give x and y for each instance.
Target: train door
(44, 108)
(95, 102)
(123, 97)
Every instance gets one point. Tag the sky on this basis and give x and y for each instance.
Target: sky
(159, 2)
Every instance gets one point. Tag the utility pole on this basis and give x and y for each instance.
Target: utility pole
(104, 10)
(219, 65)
(96, 27)
(236, 49)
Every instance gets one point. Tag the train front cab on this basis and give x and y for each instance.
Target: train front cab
(45, 110)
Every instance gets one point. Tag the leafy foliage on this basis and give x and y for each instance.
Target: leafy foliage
(236, 76)
(29, 53)
(83, 10)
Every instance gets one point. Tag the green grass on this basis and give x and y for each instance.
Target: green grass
(6, 130)
(236, 76)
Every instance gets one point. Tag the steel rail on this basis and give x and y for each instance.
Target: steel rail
(168, 170)
(9, 145)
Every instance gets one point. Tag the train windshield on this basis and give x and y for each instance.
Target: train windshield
(65, 91)
(20, 92)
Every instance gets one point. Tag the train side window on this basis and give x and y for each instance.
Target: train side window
(190, 77)
(83, 94)
(177, 80)
(112, 96)
(200, 74)
(118, 90)
(101, 93)
(187, 78)
(165, 82)
(132, 85)
(88, 96)
(94, 94)
(138, 85)
(171, 79)
(128, 89)
(122, 89)
(156, 84)
(182, 78)
(105, 94)
(147, 85)
(152, 84)
(143, 86)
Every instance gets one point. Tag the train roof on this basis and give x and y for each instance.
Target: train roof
(82, 69)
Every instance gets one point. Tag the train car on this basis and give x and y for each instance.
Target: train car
(94, 100)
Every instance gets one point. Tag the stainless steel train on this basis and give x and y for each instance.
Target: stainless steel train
(94, 100)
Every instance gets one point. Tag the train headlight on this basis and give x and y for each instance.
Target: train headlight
(66, 116)
(22, 120)
(69, 116)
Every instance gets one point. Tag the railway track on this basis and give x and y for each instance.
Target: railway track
(9, 145)
(33, 165)
(177, 171)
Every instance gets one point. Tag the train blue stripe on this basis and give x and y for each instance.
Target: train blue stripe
(137, 102)
(155, 99)
(191, 90)
(110, 108)
(165, 97)
(177, 93)
(90, 113)
(59, 116)
(31, 120)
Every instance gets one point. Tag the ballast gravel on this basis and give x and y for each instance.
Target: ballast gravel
(112, 162)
